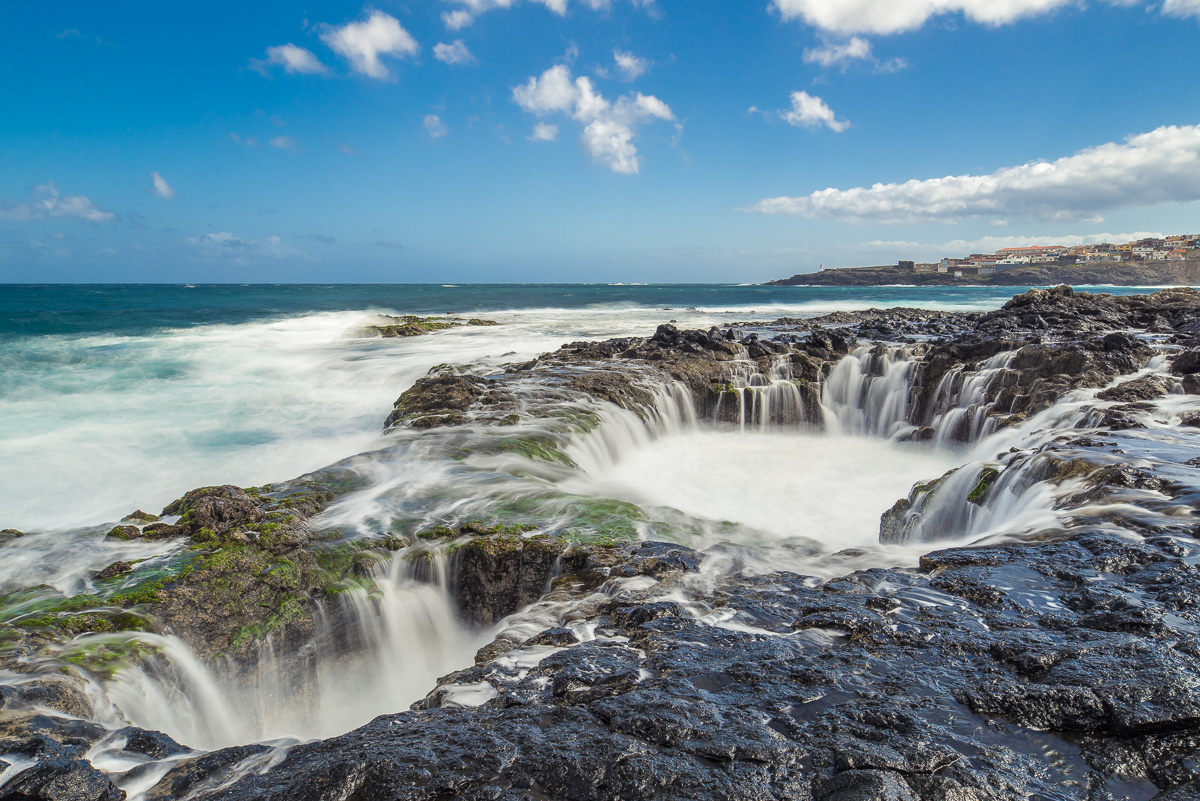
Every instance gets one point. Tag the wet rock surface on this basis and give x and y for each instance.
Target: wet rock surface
(1073, 677)
(1058, 340)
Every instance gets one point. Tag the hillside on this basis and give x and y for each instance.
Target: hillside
(1180, 273)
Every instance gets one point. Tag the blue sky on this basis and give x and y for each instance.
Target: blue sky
(584, 140)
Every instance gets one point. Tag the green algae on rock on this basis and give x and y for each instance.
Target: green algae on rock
(411, 325)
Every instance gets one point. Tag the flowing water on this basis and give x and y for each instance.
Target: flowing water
(96, 420)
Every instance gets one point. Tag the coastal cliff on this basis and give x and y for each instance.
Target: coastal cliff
(1049, 655)
(1183, 273)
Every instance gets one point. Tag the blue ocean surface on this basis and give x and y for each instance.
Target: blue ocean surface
(119, 396)
(54, 309)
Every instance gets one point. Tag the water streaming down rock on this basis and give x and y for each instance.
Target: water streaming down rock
(961, 405)
(619, 432)
(868, 392)
(377, 650)
(754, 399)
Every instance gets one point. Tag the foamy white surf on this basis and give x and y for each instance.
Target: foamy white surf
(93, 427)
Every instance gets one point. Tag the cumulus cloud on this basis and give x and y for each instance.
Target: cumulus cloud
(293, 59)
(629, 65)
(225, 246)
(544, 132)
(45, 201)
(609, 128)
(809, 111)
(159, 186)
(1162, 166)
(454, 53)
(435, 127)
(362, 43)
(896, 16)
(248, 142)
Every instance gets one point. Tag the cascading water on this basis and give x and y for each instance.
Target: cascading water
(763, 400)
(961, 400)
(376, 650)
(868, 392)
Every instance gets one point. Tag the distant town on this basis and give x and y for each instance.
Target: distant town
(1173, 248)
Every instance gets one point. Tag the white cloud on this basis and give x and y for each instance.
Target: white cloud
(362, 43)
(544, 132)
(284, 143)
(292, 58)
(809, 111)
(469, 10)
(1162, 166)
(454, 53)
(227, 247)
(604, 5)
(457, 20)
(1181, 8)
(554, 91)
(896, 16)
(160, 187)
(609, 128)
(45, 202)
(629, 65)
(991, 244)
(435, 127)
(845, 52)
(838, 54)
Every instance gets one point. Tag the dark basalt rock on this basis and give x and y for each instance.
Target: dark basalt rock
(1140, 389)
(52, 693)
(930, 691)
(114, 570)
(496, 576)
(140, 517)
(153, 744)
(438, 399)
(58, 746)
(61, 778)
(1187, 362)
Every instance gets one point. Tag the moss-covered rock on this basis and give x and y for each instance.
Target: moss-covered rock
(410, 325)
(987, 478)
(10, 534)
(124, 533)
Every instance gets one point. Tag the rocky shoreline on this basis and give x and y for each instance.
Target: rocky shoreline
(1061, 664)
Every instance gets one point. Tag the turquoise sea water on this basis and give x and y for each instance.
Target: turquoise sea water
(113, 397)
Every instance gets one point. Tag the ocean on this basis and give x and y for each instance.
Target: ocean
(118, 396)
